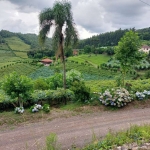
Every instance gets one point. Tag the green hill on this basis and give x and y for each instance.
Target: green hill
(112, 38)
(16, 43)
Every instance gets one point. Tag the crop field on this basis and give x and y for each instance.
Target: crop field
(20, 68)
(93, 59)
(5, 53)
(3, 47)
(16, 43)
(21, 54)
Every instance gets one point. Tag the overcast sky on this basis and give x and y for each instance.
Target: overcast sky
(92, 17)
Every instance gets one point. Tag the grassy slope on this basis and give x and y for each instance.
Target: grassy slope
(16, 43)
(93, 59)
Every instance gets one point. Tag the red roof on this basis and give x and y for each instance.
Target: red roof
(145, 46)
(47, 60)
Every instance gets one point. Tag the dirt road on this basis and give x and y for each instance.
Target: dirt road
(72, 131)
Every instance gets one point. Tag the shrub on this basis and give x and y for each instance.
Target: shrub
(46, 108)
(19, 110)
(143, 95)
(115, 97)
(40, 84)
(82, 92)
(36, 108)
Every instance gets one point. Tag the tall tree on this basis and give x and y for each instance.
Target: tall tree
(65, 34)
(127, 51)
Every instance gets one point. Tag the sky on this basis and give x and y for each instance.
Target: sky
(92, 17)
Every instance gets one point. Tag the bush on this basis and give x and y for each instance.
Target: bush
(19, 110)
(46, 108)
(143, 95)
(82, 92)
(115, 97)
(40, 84)
(36, 108)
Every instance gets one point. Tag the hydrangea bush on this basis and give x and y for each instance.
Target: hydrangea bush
(115, 97)
(36, 108)
(19, 110)
(143, 95)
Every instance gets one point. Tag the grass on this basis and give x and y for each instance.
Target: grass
(4, 47)
(93, 59)
(16, 43)
(136, 134)
(21, 54)
(71, 106)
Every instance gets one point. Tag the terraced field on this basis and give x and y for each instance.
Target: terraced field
(93, 59)
(16, 43)
(20, 68)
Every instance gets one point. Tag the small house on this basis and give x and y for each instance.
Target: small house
(46, 62)
(145, 48)
(75, 52)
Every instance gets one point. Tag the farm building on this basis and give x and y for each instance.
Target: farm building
(75, 52)
(145, 48)
(46, 62)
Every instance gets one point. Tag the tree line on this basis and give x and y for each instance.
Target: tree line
(112, 38)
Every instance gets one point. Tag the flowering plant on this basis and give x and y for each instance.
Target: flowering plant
(19, 110)
(36, 108)
(115, 97)
(142, 95)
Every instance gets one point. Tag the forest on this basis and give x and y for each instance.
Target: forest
(112, 38)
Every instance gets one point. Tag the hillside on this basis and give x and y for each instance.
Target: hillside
(17, 46)
(112, 38)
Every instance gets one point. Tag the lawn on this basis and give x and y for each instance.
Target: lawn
(16, 43)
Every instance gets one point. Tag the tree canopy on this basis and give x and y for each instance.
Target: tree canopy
(65, 34)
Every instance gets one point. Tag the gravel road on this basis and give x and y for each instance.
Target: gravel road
(72, 131)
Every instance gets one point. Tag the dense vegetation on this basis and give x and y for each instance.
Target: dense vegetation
(112, 38)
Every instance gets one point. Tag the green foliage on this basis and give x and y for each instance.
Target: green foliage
(51, 142)
(46, 108)
(42, 72)
(147, 74)
(81, 91)
(115, 97)
(17, 87)
(40, 84)
(16, 43)
(55, 81)
(102, 85)
(136, 134)
(127, 51)
(53, 96)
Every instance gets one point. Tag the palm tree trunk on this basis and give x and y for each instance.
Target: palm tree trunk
(64, 74)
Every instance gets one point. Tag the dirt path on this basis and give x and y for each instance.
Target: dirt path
(75, 130)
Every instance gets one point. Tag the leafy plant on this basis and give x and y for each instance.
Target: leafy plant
(115, 97)
(46, 108)
(19, 110)
(19, 87)
(36, 108)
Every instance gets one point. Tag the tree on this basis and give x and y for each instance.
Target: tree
(127, 51)
(65, 34)
(18, 87)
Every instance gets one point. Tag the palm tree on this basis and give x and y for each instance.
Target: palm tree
(65, 34)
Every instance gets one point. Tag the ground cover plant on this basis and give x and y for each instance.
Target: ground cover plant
(136, 134)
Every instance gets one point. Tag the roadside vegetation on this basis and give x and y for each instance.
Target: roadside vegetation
(106, 74)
